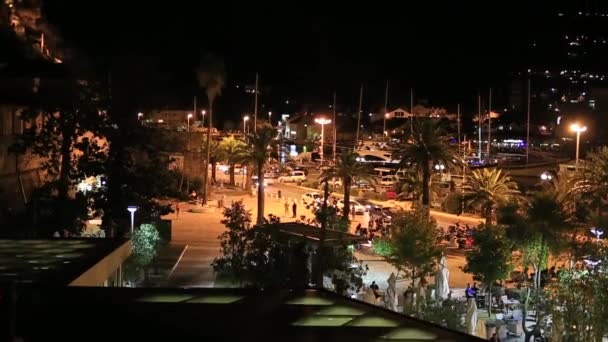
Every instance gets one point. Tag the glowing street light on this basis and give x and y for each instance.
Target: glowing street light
(322, 122)
(203, 112)
(140, 115)
(132, 209)
(578, 129)
(245, 119)
(546, 176)
(385, 117)
(189, 117)
(597, 232)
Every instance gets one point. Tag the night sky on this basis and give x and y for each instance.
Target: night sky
(304, 50)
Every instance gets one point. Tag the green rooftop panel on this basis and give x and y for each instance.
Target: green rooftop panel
(323, 321)
(218, 299)
(373, 321)
(409, 334)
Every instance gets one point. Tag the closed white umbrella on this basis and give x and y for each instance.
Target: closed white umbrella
(390, 297)
(471, 317)
(442, 278)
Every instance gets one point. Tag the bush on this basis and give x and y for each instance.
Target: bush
(452, 204)
(381, 246)
(311, 184)
(197, 184)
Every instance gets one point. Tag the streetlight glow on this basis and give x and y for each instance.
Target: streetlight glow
(575, 127)
(245, 119)
(203, 112)
(189, 117)
(322, 122)
(132, 209)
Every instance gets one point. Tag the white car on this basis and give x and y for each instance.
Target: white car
(254, 179)
(311, 198)
(294, 176)
(359, 208)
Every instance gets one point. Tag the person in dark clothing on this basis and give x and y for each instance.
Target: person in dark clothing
(375, 288)
(358, 229)
(294, 209)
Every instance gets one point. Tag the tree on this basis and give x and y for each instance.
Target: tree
(428, 146)
(413, 242)
(145, 243)
(232, 151)
(214, 156)
(261, 148)
(486, 189)
(540, 230)
(592, 180)
(490, 259)
(211, 76)
(69, 138)
(347, 169)
(234, 243)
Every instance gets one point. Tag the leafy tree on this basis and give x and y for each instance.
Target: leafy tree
(69, 138)
(233, 151)
(487, 189)
(347, 169)
(413, 241)
(490, 258)
(578, 304)
(428, 146)
(211, 76)
(145, 241)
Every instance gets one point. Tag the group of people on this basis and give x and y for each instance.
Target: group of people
(471, 291)
(294, 208)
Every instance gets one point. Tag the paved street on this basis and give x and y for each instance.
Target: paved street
(199, 232)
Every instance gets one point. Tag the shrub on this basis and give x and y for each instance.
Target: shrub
(452, 204)
(197, 184)
(381, 246)
(311, 184)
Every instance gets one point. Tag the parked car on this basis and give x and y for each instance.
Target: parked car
(294, 176)
(271, 174)
(359, 208)
(254, 179)
(311, 198)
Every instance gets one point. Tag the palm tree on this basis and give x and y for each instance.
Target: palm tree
(488, 188)
(211, 76)
(346, 169)
(592, 181)
(213, 156)
(261, 147)
(233, 151)
(428, 146)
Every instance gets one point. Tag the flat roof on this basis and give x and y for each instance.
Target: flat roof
(214, 315)
(58, 261)
(309, 233)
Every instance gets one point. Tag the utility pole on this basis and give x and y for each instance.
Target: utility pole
(385, 109)
(335, 130)
(528, 125)
(458, 122)
(489, 122)
(359, 115)
(255, 109)
(479, 123)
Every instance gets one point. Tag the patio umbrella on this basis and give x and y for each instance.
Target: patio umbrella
(442, 287)
(390, 297)
(471, 317)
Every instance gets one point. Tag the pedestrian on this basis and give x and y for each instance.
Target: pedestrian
(352, 211)
(370, 225)
(176, 210)
(358, 229)
(286, 206)
(294, 208)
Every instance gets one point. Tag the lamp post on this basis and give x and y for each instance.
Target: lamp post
(384, 130)
(322, 122)
(245, 119)
(597, 232)
(269, 115)
(132, 209)
(578, 129)
(189, 117)
(203, 112)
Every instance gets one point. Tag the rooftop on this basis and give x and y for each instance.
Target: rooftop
(60, 262)
(214, 314)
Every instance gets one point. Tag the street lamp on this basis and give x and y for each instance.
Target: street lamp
(385, 117)
(203, 112)
(189, 117)
(132, 209)
(245, 119)
(269, 115)
(578, 129)
(322, 122)
(597, 232)
(546, 176)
